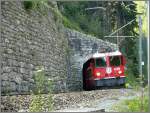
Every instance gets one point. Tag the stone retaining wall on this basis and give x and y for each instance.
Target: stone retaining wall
(30, 39)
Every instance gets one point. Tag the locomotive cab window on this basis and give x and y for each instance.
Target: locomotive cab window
(115, 60)
(100, 62)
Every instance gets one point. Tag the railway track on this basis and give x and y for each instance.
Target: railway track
(95, 100)
(84, 101)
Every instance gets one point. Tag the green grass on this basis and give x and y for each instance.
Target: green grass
(137, 104)
(67, 23)
(132, 81)
(133, 105)
(40, 103)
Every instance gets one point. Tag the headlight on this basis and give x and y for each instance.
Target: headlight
(98, 74)
(119, 72)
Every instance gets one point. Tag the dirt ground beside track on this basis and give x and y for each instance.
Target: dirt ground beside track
(82, 101)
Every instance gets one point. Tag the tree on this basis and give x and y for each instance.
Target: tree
(100, 23)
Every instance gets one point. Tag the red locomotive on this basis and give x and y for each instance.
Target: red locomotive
(104, 69)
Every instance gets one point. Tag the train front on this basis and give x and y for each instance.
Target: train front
(109, 69)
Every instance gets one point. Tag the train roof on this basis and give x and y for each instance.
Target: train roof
(96, 55)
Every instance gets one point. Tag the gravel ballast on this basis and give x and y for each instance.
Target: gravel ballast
(66, 101)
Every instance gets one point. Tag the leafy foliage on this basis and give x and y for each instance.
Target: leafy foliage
(100, 22)
(38, 5)
(142, 8)
(133, 105)
(40, 103)
(42, 84)
(76, 13)
(28, 5)
(67, 23)
(33, 4)
(131, 80)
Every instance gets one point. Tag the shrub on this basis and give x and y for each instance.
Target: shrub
(28, 5)
(131, 79)
(32, 4)
(42, 82)
(40, 102)
(38, 5)
(69, 24)
(133, 105)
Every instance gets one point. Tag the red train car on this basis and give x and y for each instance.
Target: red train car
(104, 69)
